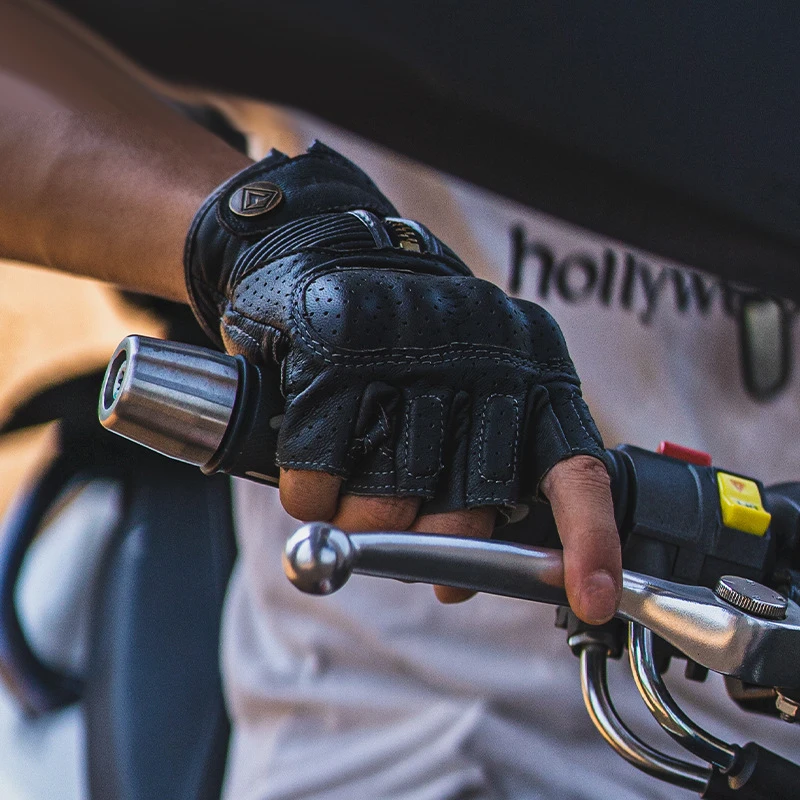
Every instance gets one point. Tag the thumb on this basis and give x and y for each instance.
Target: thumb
(579, 491)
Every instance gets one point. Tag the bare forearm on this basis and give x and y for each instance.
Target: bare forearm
(100, 177)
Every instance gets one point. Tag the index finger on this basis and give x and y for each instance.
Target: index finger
(579, 491)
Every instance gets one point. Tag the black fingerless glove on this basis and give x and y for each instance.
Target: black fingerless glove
(402, 373)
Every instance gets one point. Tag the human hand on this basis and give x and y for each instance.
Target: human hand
(577, 488)
(416, 395)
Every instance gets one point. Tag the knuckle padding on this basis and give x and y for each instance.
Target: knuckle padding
(358, 310)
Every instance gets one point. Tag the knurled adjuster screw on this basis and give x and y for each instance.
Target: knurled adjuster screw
(751, 597)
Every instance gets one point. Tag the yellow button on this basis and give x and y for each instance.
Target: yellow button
(741, 504)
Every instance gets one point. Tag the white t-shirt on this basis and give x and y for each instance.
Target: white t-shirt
(380, 692)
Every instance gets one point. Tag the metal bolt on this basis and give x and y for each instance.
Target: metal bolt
(787, 707)
(119, 378)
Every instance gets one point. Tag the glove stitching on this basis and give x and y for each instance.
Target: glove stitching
(482, 462)
(400, 492)
(359, 440)
(408, 436)
(342, 359)
(580, 420)
(382, 472)
(333, 357)
(324, 467)
(493, 500)
(406, 354)
(245, 334)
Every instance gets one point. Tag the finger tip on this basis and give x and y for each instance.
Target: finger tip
(598, 598)
(308, 495)
(449, 595)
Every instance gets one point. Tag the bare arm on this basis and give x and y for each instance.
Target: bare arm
(100, 176)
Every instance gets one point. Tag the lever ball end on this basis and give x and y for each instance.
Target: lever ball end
(318, 558)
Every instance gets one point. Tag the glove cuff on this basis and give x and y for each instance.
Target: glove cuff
(260, 199)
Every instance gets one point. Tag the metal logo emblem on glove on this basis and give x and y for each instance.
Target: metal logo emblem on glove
(255, 199)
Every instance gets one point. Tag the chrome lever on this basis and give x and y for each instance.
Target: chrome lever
(319, 559)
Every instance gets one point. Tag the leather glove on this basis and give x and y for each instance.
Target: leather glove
(402, 372)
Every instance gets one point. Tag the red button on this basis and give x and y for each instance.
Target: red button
(684, 454)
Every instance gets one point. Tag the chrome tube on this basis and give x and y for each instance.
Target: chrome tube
(594, 686)
(666, 711)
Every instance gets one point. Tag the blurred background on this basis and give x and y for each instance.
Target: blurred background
(51, 326)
